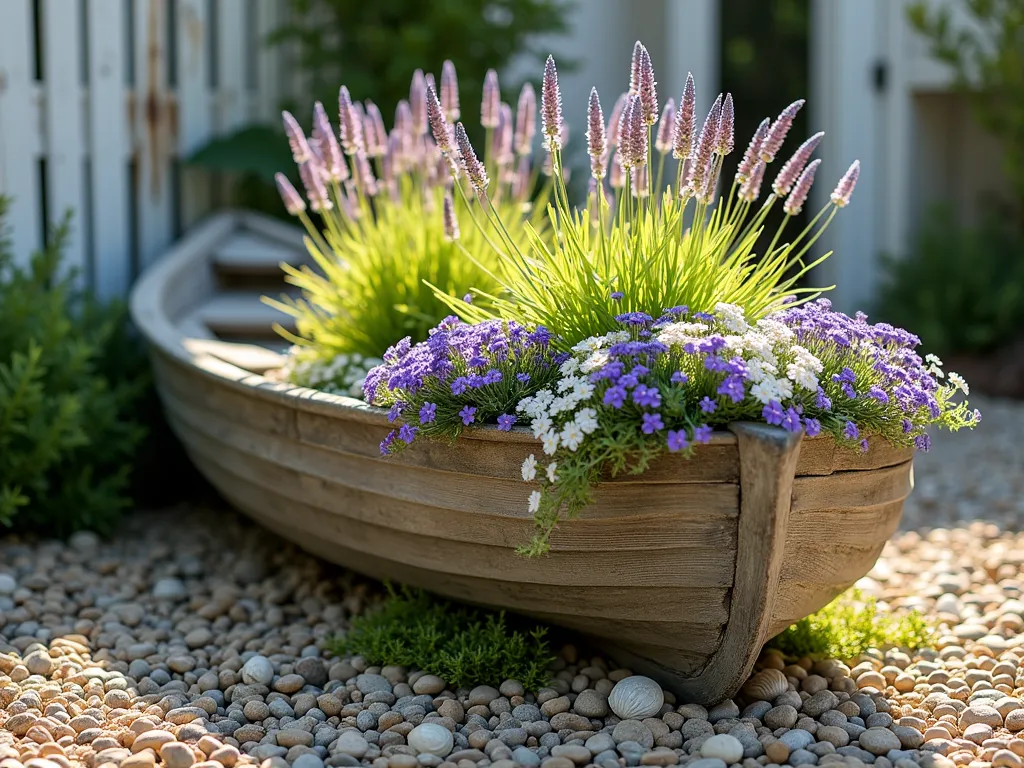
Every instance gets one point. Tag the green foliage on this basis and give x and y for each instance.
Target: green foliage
(378, 274)
(962, 290)
(463, 645)
(849, 626)
(66, 436)
(987, 56)
(372, 47)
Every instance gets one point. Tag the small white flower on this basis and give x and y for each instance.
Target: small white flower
(540, 425)
(591, 344)
(785, 389)
(959, 382)
(778, 332)
(572, 435)
(595, 361)
(568, 383)
(802, 377)
(552, 472)
(582, 389)
(731, 317)
(586, 418)
(534, 505)
(561, 404)
(617, 337)
(569, 367)
(935, 371)
(530, 468)
(765, 391)
(933, 359)
(550, 441)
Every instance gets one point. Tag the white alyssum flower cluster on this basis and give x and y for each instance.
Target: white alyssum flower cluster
(343, 375)
(776, 366)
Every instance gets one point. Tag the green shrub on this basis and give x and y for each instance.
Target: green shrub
(962, 290)
(66, 436)
(463, 645)
(849, 626)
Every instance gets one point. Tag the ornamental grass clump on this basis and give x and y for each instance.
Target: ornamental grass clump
(631, 334)
(389, 245)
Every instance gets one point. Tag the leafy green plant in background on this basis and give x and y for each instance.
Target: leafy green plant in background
(987, 57)
(463, 645)
(962, 289)
(66, 434)
(849, 626)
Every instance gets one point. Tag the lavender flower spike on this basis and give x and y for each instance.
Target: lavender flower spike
(301, 152)
(551, 106)
(451, 223)
(470, 164)
(503, 136)
(293, 202)
(351, 123)
(648, 89)
(795, 202)
(438, 125)
(615, 121)
(625, 150)
(663, 143)
(327, 143)
(313, 180)
(795, 165)
(380, 141)
(843, 191)
(750, 188)
(635, 67)
(526, 120)
(596, 140)
(491, 104)
(753, 153)
(777, 133)
(418, 102)
(449, 91)
(686, 121)
(726, 128)
(705, 148)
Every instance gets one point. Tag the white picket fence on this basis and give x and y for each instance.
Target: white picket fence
(99, 102)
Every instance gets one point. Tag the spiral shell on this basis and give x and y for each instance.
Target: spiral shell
(766, 685)
(636, 697)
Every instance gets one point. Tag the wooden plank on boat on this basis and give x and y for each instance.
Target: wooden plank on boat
(841, 490)
(242, 313)
(247, 356)
(246, 253)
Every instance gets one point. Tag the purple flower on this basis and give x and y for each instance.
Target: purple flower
(795, 165)
(407, 433)
(647, 396)
(850, 431)
(822, 400)
(505, 422)
(640, 370)
(795, 202)
(651, 423)
(773, 413)
(293, 202)
(842, 193)
(467, 414)
(460, 385)
(617, 295)
(878, 394)
(468, 298)
(791, 421)
(677, 440)
(778, 130)
(449, 90)
(708, 405)
(428, 412)
(597, 143)
(474, 169)
(922, 442)
(526, 119)
(648, 92)
(490, 106)
(702, 434)
(615, 396)
(522, 378)
(634, 318)
(628, 381)
(732, 387)
(812, 427)
(395, 412)
(685, 123)
(752, 156)
(908, 426)
(551, 106)
(678, 377)
(864, 445)
(451, 221)
(387, 442)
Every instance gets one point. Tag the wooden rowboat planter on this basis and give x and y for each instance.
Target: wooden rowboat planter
(681, 573)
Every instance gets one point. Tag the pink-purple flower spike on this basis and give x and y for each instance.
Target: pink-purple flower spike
(596, 139)
(750, 188)
(526, 120)
(615, 121)
(705, 149)
(635, 67)
(438, 125)
(491, 104)
(663, 143)
(551, 106)
(449, 91)
(793, 167)
(686, 121)
(293, 202)
(380, 133)
(301, 152)
(648, 89)
(795, 202)
(843, 191)
(726, 128)
(503, 136)
(418, 102)
(753, 154)
(313, 180)
(351, 123)
(778, 130)
(475, 171)
(451, 222)
(327, 144)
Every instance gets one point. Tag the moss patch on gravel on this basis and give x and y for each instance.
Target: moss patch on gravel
(849, 626)
(466, 646)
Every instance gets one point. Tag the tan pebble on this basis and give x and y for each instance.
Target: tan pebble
(143, 759)
(38, 734)
(1016, 746)
(177, 755)
(51, 748)
(904, 682)
(777, 752)
(1015, 720)
(226, 755)
(82, 722)
(1006, 759)
(153, 739)
(871, 679)
(208, 744)
(935, 732)
(143, 724)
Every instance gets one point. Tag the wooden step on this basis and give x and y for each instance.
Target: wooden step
(241, 315)
(248, 254)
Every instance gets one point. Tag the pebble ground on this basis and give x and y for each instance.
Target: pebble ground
(163, 647)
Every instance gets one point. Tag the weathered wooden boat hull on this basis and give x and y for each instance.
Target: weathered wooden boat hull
(683, 572)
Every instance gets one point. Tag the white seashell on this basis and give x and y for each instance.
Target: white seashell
(257, 671)
(766, 685)
(636, 697)
(431, 739)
